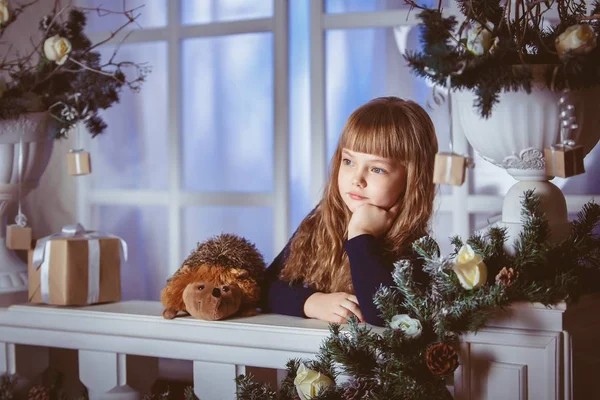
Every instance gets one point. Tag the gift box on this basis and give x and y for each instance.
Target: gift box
(76, 267)
(79, 163)
(564, 160)
(450, 169)
(18, 237)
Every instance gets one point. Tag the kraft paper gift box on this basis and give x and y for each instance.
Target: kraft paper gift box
(76, 269)
(79, 163)
(449, 168)
(564, 160)
(18, 237)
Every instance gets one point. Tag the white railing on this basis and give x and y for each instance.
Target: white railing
(528, 353)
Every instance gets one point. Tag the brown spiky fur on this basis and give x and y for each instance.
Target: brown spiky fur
(224, 259)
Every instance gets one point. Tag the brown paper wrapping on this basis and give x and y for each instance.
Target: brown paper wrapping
(18, 237)
(564, 161)
(68, 272)
(457, 164)
(78, 163)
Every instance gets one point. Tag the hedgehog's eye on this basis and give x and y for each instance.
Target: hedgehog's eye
(225, 289)
(201, 287)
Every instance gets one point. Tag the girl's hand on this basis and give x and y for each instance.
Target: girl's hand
(371, 219)
(332, 307)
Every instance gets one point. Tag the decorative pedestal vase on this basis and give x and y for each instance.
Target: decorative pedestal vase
(36, 130)
(514, 138)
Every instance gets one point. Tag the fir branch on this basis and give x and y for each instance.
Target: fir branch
(249, 389)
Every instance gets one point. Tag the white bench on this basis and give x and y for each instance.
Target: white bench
(529, 352)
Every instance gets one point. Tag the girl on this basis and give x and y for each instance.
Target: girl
(377, 201)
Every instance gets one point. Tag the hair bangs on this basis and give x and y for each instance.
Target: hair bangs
(368, 131)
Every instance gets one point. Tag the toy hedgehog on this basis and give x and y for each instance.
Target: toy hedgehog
(219, 279)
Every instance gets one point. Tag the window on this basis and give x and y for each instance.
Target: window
(235, 126)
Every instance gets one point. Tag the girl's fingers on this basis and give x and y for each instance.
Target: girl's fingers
(353, 308)
(352, 298)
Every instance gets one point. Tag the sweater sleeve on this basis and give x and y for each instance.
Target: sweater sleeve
(281, 297)
(369, 272)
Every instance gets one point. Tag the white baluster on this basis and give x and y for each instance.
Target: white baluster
(105, 376)
(7, 359)
(214, 381)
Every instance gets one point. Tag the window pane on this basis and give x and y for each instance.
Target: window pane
(344, 6)
(133, 151)
(348, 6)
(206, 11)
(152, 14)
(253, 223)
(362, 64)
(143, 228)
(300, 201)
(227, 142)
(441, 230)
(480, 221)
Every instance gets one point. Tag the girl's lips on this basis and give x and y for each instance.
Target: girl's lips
(355, 196)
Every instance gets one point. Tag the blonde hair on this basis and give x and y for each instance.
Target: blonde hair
(387, 127)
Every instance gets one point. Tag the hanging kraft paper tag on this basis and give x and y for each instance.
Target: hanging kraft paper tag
(564, 160)
(450, 168)
(78, 162)
(18, 237)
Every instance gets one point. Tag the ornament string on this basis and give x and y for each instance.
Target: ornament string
(20, 219)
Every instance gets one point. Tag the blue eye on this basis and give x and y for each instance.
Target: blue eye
(378, 170)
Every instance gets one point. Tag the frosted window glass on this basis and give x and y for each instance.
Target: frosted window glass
(144, 229)
(133, 151)
(152, 14)
(362, 64)
(253, 223)
(344, 6)
(227, 129)
(300, 201)
(441, 230)
(206, 11)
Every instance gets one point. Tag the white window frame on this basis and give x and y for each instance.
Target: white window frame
(461, 203)
(175, 198)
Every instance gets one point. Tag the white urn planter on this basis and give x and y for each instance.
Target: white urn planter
(36, 130)
(514, 138)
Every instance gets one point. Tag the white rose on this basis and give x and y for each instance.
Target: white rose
(57, 49)
(309, 383)
(410, 326)
(576, 39)
(479, 38)
(470, 268)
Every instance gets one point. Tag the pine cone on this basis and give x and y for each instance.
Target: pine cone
(39, 392)
(357, 390)
(441, 359)
(506, 276)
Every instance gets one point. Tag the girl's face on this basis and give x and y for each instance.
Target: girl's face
(365, 178)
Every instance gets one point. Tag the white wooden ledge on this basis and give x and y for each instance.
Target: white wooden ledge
(529, 352)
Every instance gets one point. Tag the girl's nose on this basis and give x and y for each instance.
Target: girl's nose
(358, 181)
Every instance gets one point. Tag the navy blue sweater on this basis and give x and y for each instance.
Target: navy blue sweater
(368, 269)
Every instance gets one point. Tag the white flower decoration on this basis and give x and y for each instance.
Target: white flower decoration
(411, 327)
(57, 48)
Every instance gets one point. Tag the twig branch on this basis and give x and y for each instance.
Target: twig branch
(593, 17)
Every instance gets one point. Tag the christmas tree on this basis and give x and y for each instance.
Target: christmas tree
(416, 351)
